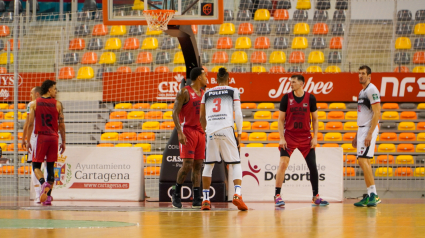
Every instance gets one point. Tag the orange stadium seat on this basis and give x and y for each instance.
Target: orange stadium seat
(220, 57)
(248, 106)
(118, 115)
(407, 115)
(421, 125)
(4, 30)
(152, 171)
(402, 69)
(1, 115)
(319, 136)
(277, 69)
(245, 28)
(330, 145)
(244, 136)
(349, 171)
(419, 57)
(275, 115)
(322, 105)
(388, 136)
(272, 145)
(153, 115)
(170, 106)
(275, 136)
(262, 42)
(390, 106)
(260, 125)
(124, 69)
(336, 115)
(334, 125)
(8, 169)
(297, 57)
(20, 106)
(224, 43)
(89, 58)
(25, 170)
(11, 147)
(141, 106)
(350, 159)
(281, 15)
(336, 43)
(167, 125)
(149, 136)
(131, 44)
(144, 58)
(127, 136)
(384, 159)
(162, 69)
(100, 30)
(114, 125)
(258, 57)
(320, 29)
(407, 136)
(11, 46)
(405, 148)
(403, 172)
(77, 44)
(142, 69)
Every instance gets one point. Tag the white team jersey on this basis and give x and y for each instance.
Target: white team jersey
(28, 113)
(219, 107)
(367, 97)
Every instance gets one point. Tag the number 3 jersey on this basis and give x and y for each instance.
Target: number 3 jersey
(220, 103)
(46, 117)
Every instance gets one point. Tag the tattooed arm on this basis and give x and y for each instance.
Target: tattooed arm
(181, 98)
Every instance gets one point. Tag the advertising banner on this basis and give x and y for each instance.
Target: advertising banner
(259, 167)
(25, 81)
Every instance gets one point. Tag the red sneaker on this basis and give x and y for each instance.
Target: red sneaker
(237, 201)
(48, 201)
(206, 205)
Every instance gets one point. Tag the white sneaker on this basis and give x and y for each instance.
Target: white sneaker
(37, 200)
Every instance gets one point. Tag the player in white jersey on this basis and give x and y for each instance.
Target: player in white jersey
(217, 107)
(35, 93)
(368, 114)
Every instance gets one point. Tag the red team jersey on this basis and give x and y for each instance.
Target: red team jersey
(191, 127)
(297, 120)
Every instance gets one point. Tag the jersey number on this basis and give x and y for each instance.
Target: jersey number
(298, 125)
(217, 104)
(46, 119)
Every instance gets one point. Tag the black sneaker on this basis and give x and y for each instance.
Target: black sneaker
(176, 200)
(197, 202)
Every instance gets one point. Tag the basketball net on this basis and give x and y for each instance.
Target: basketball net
(158, 19)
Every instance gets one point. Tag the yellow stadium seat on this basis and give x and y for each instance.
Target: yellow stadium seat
(406, 125)
(420, 29)
(352, 115)
(3, 146)
(263, 115)
(337, 106)
(216, 68)
(265, 106)
(255, 145)
(419, 69)
(138, 5)
(152, 33)
(333, 136)
(123, 106)
(321, 114)
(257, 136)
(150, 43)
(227, 29)
(420, 148)
(385, 148)
(159, 106)
(258, 69)
(85, 73)
(168, 115)
(11, 116)
(404, 159)
(6, 136)
(138, 115)
(124, 145)
(141, 106)
(403, 43)
(274, 126)
(419, 172)
(421, 106)
(348, 148)
(150, 125)
(299, 43)
(181, 69)
(246, 125)
(113, 44)
(384, 172)
(303, 4)
(314, 69)
(4, 106)
(24, 116)
(421, 137)
(109, 136)
(118, 30)
(390, 115)
(108, 58)
(262, 15)
(3, 58)
(351, 125)
(301, 29)
(243, 43)
(154, 159)
(332, 69)
(178, 58)
(277, 57)
(321, 125)
(145, 147)
(316, 57)
(239, 57)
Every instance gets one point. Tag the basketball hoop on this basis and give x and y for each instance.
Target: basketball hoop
(158, 19)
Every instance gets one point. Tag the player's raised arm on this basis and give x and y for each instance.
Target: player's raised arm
(181, 98)
(30, 124)
(61, 120)
(202, 116)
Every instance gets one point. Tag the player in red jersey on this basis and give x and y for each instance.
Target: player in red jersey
(49, 118)
(294, 130)
(191, 136)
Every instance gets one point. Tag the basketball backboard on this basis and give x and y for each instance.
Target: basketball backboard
(188, 12)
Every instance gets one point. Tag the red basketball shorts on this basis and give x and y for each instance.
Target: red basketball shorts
(302, 143)
(45, 147)
(195, 145)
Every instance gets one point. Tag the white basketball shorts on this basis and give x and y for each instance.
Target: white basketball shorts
(222, 146)
(362, 150)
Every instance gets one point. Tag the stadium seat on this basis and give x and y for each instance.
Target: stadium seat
(81, 30)
(162, 106)
(118, 30)
(150, 43)
(105, 145)
(136, 115)
(258, 69)
(419, 69)
(123, 106)
(246, 125)
(277, 57)
(216, 68)
(85, 73)
(124, 145)
(7, 169)
(167, 125)
(349, 136)
(162, 58)
(224, 43)
(145, 148)
(265, 106)
(180, 69)
(178, 58)
(404, 159)
(100, 30)
(135, 30)
(274, 136)
(385, 148)
(112, 136)
(421, 106)
(316, 57)
(333, 137)
(123, 69)
(66, 73)
(152, 171)
(421, 137)
(220, 57)
(336, 43)
(146, 136)
(297, 57)
(282, 29)
(404, 15)
(208, 29)
(262, 42)
(263, 28)
(321, 115)
(245, 28)
(144, 58)
(239, 57)
(258, 57)
(408, 115)
(150, 125)
(321, 125)
(114, 125)
(248, 105)
(405, 148)
(350, 125)
(260, 125)
(385, 159)
(168, 115)
(350, 159)
(403, 29)
(153, 115)
(142, 69)
(402, 58)
(154, 159)
(299, 43)
(300, 15)
(322, 105)
(262, 15)
(228, 16)
(262, 115)
(6, 126)
(108, 58)
(277, 69)
(339, 15)
(390, 106)
(274, 126)
(337, 106)
(318, 43)
(77, 44)
(334, 125)
(3, 58)
(334, 115)
(419, 44)
(348, 148)
(281, 15)
(126, 58)
(419, 172)
(256, 136)
(5, 136)
(420, 15)
(280, 43)
(320, 29)
(10, 116)
(301, 29)
(388, 136)
(420, 29)
(4, 31)
(244, 136)
(403, 172)
(118, 115)
(402, 69)
(314, 69)
(406, 126)
(419, 57)
(89, 58)
(384, 172)
(227, 29)
(403, 43)
(255, 145)
(390, 115)
(153, 33)
(131, 44)
(334, 57)
(352, 115)
(420, 148)
(349, 172)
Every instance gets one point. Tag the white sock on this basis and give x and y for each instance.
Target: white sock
(238, 189)
(371, 189)
(206, 193)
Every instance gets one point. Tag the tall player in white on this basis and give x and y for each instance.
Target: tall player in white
(35, 93)
(217, 107)
(369, 112)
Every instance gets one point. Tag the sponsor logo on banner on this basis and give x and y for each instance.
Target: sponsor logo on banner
(169, 90)
(253, 170)
(8, 80)
(406, 86)
(62, 172)
(4, 93)
(174, 159)
(186, 192)
(311, 87)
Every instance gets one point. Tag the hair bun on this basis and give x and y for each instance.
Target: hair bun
(222, 72)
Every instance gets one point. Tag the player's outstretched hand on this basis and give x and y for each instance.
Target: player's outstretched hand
(313, 143)
(182, 138)
(62, 148)
(282, 144)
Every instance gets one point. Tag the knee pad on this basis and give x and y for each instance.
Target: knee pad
(208, 168)
(36, 165)
(50, 171)
(237, 171)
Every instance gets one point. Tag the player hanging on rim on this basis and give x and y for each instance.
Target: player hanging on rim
(47, 113)
(217, 107)
(35, 93)
(294, 129)
(191, 136)
(368, 114)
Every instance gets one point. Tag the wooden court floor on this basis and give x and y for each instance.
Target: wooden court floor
(392, 218)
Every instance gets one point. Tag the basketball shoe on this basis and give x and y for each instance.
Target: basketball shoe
(175, 200)
(206, 205)
(373, 200)
(45, 188)
(237, 201)
(197, 202)
(278, 201)
(48, 201)
(363, 202)
(319, 201)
